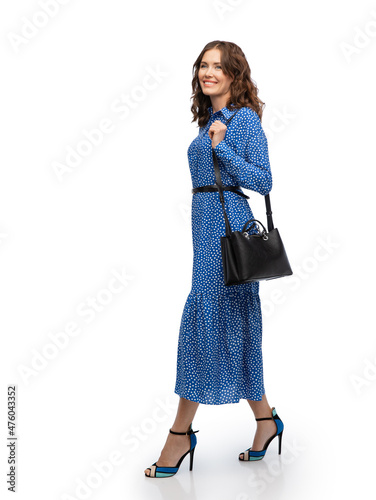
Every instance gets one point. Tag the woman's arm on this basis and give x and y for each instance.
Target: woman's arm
(251, 170)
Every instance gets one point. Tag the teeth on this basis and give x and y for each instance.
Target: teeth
(209, 83)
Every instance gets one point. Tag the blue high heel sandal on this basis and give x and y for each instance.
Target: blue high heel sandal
(157, 471)
(249, 455)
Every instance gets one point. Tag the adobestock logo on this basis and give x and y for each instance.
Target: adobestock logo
(101, 471)
(3, 237)
(323, 250)
(271, 469)
(222, 7)
(31, 27)
(135, 435)
(361, 39)
(278, 123)
(132, 438)
(185, 211)
(92, 138)
(368, 377)
(58, 341)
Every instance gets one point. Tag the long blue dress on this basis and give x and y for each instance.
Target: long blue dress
(219, 353)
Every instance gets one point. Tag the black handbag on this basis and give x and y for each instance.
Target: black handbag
(251, 257)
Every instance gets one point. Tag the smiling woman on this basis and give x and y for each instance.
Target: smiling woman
(222, 69)
(211, 76)
(219, 358)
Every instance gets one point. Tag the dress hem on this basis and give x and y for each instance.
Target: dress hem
(200, 400)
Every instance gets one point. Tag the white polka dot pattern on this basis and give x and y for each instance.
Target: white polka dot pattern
(219, 347)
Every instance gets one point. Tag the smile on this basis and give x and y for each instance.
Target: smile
(209, 84)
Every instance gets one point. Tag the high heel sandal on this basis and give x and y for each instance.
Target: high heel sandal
(249, 455)
(157, 471)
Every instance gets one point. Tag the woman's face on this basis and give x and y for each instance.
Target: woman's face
(212, 80)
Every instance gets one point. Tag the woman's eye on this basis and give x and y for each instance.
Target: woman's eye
(204, 65)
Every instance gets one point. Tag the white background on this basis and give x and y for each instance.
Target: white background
(105, 394)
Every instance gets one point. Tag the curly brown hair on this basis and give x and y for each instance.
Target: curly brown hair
(243, 89)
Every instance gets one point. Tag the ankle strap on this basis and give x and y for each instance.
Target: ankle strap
(273, 417)
(189, 432)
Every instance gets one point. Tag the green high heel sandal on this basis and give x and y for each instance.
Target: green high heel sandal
(157, 471)
(250, 455)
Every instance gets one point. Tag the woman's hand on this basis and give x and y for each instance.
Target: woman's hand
(217, 132)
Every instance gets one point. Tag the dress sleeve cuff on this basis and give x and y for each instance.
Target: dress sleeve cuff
(224, 152)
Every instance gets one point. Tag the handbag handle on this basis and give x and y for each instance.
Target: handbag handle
(254, 222)
(220, 190)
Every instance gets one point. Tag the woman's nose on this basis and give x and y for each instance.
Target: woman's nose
(208, 72)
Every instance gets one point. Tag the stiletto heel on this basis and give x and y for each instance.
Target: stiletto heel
(191, 459)
(279, 442)
(158, 471)
(253, 455)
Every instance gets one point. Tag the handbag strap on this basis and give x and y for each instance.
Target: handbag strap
(220, 190)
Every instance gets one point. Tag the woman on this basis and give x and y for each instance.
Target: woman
(219, 349)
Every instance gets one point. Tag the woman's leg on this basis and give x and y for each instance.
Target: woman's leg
(265, 428)
(177, 445)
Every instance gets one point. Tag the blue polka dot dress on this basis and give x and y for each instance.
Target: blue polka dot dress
(219, 358)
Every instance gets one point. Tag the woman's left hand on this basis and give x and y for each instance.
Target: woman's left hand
(217, 132)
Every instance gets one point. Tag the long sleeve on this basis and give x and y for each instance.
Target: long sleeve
(250, 168)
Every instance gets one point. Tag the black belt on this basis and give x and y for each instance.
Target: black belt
(213, 187)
